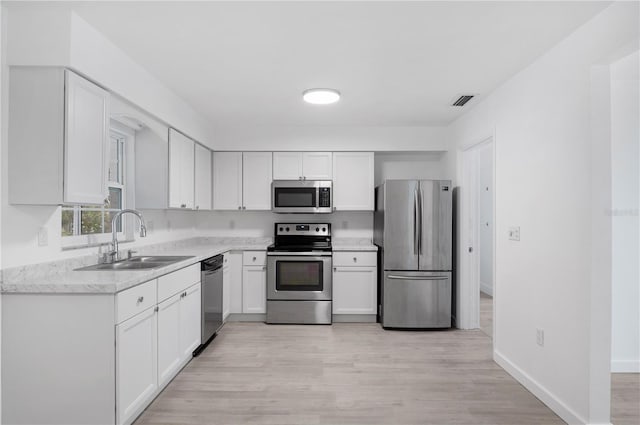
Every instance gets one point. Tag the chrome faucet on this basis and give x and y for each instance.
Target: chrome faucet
(112, 255)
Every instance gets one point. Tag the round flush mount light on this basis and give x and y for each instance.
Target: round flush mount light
(321, 96)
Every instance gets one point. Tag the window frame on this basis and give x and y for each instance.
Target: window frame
(125, 137)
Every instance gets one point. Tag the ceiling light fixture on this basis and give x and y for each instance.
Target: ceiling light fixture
(321, 96)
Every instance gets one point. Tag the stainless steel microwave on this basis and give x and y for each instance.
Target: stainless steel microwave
(302, 196)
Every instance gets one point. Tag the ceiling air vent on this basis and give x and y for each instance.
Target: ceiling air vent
(462, 100)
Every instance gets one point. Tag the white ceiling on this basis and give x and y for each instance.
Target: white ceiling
(396, 63)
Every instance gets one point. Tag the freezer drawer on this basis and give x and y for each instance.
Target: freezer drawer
(416, 299)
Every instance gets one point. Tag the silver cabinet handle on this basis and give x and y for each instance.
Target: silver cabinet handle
(254, 258)
(140, 299)
(183, 206)
(335, 269)
(391, 276)
(355, 259)
(244, 208)
(157, 309)
(197, 207)
(264, 267)
(239, 208)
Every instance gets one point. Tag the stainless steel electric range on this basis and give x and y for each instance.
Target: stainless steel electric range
(299, 274)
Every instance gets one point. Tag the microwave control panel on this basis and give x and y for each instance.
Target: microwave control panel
(324, 197)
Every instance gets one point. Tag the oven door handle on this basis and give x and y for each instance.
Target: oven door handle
(301, 254)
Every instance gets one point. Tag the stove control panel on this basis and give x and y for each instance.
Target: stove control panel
(303, 229)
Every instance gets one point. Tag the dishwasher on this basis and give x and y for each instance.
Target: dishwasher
(212, 310)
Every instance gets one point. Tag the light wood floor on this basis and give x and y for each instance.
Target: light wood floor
(345, 374)
(486, 314)
(625, 398)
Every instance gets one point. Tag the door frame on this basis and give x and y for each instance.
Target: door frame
(468, 276)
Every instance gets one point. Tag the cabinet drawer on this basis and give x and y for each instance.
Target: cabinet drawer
(135, 300)
(254, 258)
(354, 258)
(172, 283)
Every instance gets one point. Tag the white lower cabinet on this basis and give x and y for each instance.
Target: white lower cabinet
(190, 321)
(136, 360)
(169, 352)
(355, 289)
(254, 289)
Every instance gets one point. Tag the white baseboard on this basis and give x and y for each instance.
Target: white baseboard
(543, 394)
(486, 288)
(625, 366)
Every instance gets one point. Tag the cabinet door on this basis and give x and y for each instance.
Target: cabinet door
(353, 181)
(254, 290)
(169, 353)
(287, 165)
(354, 290)
(234, 270)
(187, 174)
(317, 166)
(227, 180)
(203, 178)
(86, 141)
(136, 365)
(190, 320)
(256, 180)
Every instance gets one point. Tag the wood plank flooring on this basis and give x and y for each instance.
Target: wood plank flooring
(625, 398)
(346, 373)
(486, 314)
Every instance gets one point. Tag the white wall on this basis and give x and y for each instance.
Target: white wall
(260, 223)
(3, 136)
(330, 138)
(541, 119)
(51, 34)
(625, 157)
(410, 165)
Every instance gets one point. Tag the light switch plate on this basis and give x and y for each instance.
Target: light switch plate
(514, 233)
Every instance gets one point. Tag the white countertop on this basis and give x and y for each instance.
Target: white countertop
(59, 278)
(109, 281)
(353, 244)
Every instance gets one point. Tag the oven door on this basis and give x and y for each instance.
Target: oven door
(299, 276)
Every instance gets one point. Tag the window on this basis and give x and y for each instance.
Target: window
(90, 224)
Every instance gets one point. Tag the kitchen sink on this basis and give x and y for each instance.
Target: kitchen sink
(138, 263)
(158, 258)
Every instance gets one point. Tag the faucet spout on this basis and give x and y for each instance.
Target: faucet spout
(113, 254)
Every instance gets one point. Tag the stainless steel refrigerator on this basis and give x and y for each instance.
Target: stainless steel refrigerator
(413, 229)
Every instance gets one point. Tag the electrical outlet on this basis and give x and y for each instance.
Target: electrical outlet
(150, 226)
(540, 337)
(43, 236)
(168, 225)
(345, 224)
(514, 233)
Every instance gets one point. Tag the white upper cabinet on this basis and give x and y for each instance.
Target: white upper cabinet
(256, 180)
(353, 181)
(58, 138)
(203, 178)
(287, 165)
(302, 166)
(227, 180)
(181, 170)
(317, 166)
(242, 181)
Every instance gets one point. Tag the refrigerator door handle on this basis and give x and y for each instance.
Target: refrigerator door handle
(392, 276)
(416, 218)
(419, 192)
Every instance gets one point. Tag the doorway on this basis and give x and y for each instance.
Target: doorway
(476, 251)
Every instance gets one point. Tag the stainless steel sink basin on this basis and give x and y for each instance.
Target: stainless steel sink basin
(138, 263)
(158, 258)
